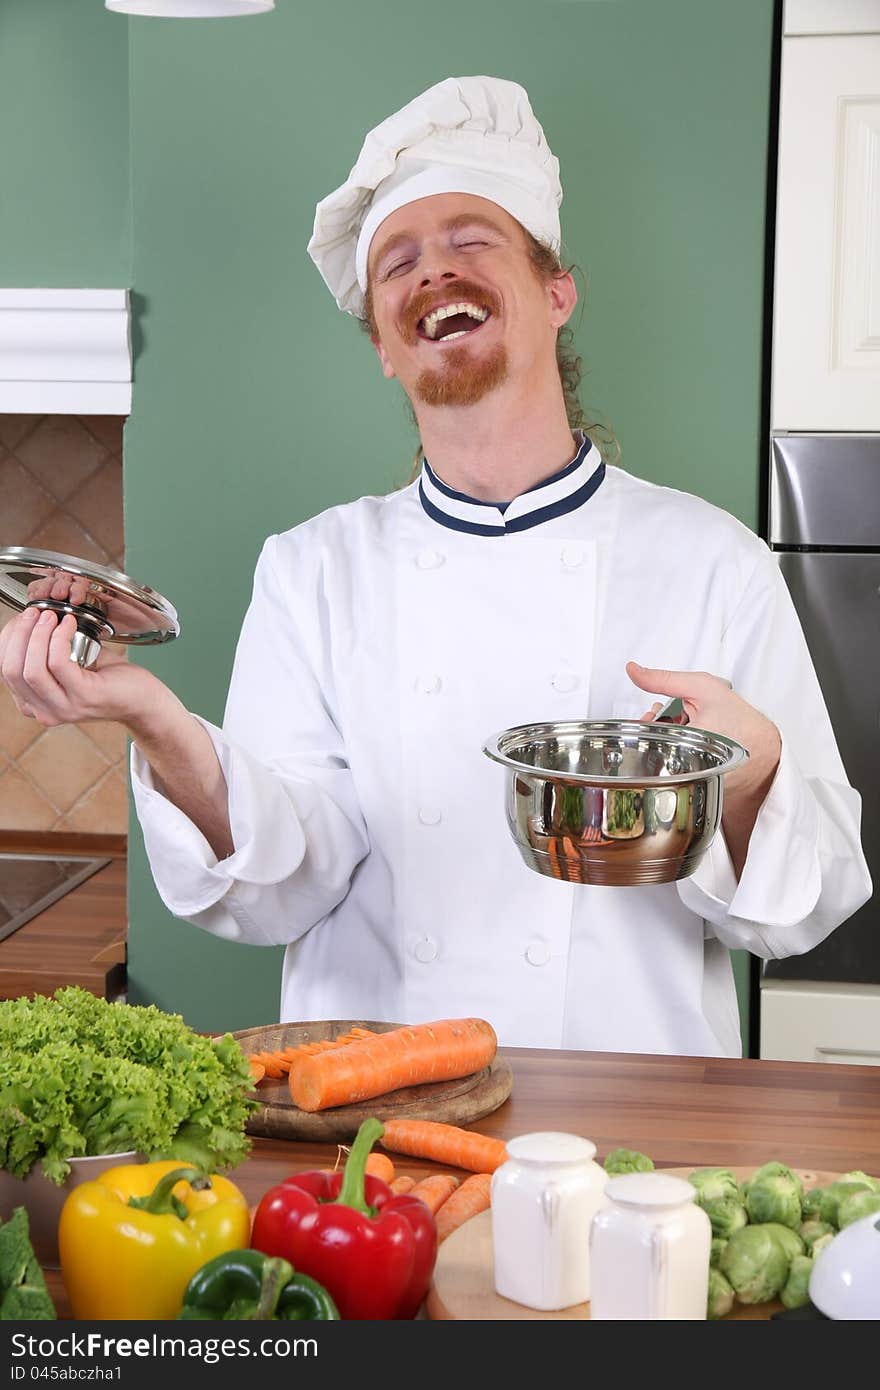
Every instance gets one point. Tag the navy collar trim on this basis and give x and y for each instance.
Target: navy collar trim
(565, 491)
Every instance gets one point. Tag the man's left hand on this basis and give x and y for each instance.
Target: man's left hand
(711, 704)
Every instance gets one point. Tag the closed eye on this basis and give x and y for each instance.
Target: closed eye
(396, 268)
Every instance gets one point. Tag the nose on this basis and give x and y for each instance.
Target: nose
(433, 277)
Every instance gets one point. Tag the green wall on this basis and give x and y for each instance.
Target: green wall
(64, 194)
(250, 387)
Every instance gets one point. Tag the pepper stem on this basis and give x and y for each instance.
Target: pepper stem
(275, 1274)
(161, 1201)
(351, 1193)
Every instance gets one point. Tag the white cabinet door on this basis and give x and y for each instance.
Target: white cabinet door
(820, 1023)
(826, 313)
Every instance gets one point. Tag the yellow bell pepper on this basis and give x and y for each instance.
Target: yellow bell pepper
(131, 1240)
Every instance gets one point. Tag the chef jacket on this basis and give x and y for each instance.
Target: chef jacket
(385, 641)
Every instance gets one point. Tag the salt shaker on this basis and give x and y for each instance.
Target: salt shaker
(544, 1197)
(649, 1247)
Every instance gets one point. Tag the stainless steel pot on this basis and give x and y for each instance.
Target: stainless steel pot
(613, 801)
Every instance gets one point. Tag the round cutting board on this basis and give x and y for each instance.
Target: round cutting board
(464, 1275)
(458, 1102)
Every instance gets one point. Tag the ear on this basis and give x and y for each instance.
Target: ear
(387, 369)
(562, 296)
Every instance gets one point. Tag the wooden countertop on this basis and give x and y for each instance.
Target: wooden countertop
(81, 938)
(682, 1111)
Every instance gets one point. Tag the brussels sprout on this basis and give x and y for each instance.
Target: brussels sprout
(712, 1183)
(775, 1196)
(858, 1176)
(795, 1291)
(776, 1170)
(756, 1263)
(821, 1244)
(627, 1161)
(718, 1244)
(813, 1230)
(855, 1205)
(788, 1239)
(720, 1297)
(821, 1203)
(726, 1214)
(811, 1205)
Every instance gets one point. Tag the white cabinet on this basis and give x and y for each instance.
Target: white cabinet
(820, 1023)
(826, 310)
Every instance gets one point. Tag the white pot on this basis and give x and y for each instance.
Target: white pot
(43, 1199)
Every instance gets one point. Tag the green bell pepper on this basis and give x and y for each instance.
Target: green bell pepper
(248, 1285)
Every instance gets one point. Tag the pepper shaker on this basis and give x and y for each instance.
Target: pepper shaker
(649, 1248)
(544, 1197)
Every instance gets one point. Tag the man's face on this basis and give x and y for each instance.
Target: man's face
(457, 304)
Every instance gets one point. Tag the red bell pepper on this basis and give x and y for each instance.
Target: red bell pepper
(373, 1251)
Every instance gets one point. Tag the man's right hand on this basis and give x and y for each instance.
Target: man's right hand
(48, 686)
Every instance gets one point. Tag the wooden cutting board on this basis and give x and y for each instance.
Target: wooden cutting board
(464, 1276)
(458, 1102)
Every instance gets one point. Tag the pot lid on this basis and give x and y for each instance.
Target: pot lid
(109, 606)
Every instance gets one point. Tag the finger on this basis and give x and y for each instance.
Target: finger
(79, 590)
(68, 674)
(14, 641)
(39, 682)
(63, 585)
(690, 685)
(40, 588)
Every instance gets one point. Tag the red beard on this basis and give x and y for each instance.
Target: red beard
(462, 379)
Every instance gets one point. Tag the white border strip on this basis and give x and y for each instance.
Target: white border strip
(65, 352)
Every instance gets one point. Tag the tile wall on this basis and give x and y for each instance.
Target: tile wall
(61, 489)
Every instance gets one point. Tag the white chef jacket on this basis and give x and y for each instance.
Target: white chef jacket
(385, 641)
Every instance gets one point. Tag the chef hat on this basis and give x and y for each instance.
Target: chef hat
(465, 135)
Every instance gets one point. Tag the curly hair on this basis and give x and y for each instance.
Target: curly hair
(547, 266)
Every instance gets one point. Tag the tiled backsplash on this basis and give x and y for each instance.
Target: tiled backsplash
(61, 489)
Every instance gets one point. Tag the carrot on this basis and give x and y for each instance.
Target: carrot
(466, 1201)
(381, 1166)
(277, 1062)
(460, 1148)
(408, 1056)
(271, 1068)
(435, 1189)
(258, 1071)
(403, 1183)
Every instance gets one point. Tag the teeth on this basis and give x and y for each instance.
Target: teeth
(430, 321)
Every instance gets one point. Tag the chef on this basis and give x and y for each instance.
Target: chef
(346, 809)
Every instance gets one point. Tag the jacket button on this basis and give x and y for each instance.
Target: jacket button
(425, 950)
(565, 681)
(428, 684)
(429, 559)
(538, 953)
(572, 557)
(430, 815)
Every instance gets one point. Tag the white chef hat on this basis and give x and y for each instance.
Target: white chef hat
(465, 135)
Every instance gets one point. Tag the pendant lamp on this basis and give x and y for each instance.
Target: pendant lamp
(190, 9)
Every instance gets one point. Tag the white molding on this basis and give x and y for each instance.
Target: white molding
(65, 352)
(803, 17)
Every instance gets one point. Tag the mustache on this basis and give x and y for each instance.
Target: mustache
(463, 291)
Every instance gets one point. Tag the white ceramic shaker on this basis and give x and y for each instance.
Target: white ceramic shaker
(649, 1247)
(544, 1198)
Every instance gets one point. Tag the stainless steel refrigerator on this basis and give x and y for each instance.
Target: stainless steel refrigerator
(824, 524)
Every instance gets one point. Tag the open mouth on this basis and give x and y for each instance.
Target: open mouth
(452, 321)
